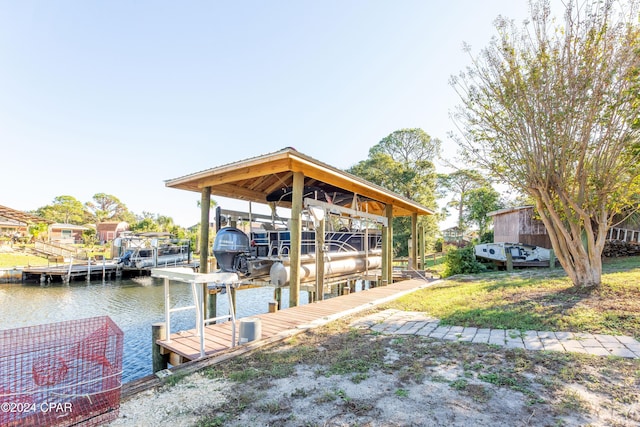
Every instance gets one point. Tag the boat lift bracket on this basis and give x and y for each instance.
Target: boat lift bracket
(348, 211)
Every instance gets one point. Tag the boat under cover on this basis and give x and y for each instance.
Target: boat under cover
(265, 255)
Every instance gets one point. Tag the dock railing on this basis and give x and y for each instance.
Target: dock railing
(58, 249)
(197, 280)
(624, 234)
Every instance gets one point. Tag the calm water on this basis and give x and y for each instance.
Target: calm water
(134, 305)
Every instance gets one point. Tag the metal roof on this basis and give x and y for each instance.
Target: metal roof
(65, 226)
(508, 210)
(268, 177)
(20, 216)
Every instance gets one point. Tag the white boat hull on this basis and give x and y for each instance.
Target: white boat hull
(519, 252)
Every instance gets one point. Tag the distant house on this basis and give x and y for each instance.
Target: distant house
(519, 225)
(453, 235)
(11, 228)
(66, 233)
(107, 231)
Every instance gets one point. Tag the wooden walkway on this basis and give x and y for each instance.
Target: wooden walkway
(185, 345)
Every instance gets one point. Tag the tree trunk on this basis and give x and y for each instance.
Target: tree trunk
(576, 246)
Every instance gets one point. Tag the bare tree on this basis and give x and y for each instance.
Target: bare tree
(553, 111)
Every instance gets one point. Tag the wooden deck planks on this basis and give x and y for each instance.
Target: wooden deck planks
(218, 336)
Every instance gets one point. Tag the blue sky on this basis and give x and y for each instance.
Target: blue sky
(118, 96)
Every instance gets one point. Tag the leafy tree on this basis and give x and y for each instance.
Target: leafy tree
(408, 146)
(106, 207)
(64, 209)
(553, 111)
(460, 183)
(159, 223)
(90, 237)
(486, 237)
(37, 229)
(144, 225)
(480, 201)
(403, 162)
(164, 222)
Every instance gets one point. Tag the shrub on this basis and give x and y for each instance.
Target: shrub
(462, 261)
(486, 237)
(438, 245)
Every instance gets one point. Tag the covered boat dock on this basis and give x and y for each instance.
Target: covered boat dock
(295, 177)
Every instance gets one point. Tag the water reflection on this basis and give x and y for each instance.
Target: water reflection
(134, 305)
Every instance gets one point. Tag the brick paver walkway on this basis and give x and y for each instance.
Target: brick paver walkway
(411, 323)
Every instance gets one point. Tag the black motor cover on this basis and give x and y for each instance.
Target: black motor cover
(230, 243)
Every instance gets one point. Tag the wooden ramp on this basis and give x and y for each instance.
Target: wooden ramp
(185, 345)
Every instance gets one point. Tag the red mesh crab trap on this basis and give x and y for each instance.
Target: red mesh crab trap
(61, 374)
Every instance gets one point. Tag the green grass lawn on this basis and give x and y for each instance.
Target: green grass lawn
(19, 259)
(19, 256)
(536, 299)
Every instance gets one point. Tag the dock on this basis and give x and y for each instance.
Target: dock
(69, 272)
(184, 346)
(86, 271)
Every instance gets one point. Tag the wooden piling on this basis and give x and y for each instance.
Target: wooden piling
(509, 263)
(158, 332)
(277, 295)
(69, 273)
(212, 303)
(233, 300)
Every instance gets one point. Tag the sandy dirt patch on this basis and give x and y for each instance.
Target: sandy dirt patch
(338, 375)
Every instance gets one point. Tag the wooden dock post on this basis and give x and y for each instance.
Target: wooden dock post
(509, 263)
(421, 237)
(233, 299)
(552, 259)
(69, 273)
(158, 360)
(277, 295)
(296, 239)
(320, 230)
(212, 303)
